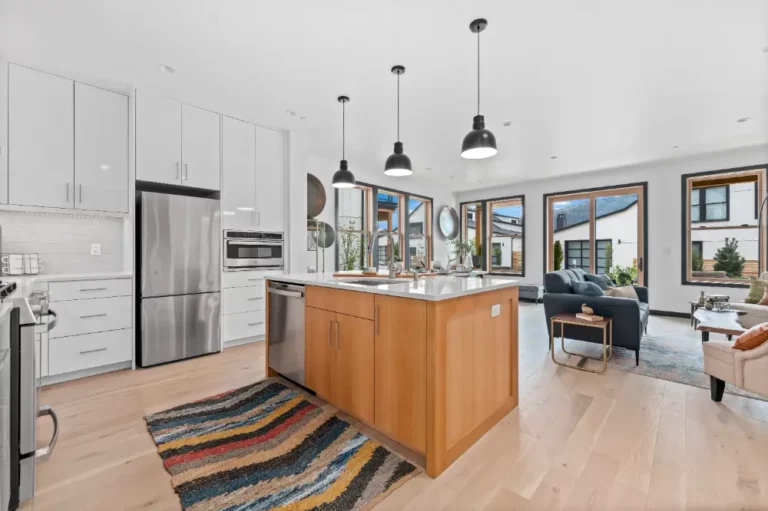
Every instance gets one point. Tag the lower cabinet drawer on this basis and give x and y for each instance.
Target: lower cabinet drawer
(87, 351)
(242, 299)
(241, 326)
(87, 316)
(231, 279)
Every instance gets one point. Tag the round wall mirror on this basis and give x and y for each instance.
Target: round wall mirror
(449, 222)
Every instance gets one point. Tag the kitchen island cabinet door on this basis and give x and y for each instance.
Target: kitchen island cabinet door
(320, 350)
(354, 376)
(401, 370)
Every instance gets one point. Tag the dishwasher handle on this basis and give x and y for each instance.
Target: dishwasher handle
(289, 294)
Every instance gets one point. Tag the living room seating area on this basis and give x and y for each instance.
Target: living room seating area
(630, 316)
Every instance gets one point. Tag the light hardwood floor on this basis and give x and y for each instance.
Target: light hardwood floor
(577, 440)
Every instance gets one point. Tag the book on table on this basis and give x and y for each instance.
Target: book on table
(592, 318)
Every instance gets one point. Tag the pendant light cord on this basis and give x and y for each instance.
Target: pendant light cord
(343, 130)
(398, 107)
(478, 72)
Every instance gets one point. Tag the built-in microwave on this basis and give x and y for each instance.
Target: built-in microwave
(248, 250)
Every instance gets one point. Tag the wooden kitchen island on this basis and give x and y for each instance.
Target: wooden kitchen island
(431, 364)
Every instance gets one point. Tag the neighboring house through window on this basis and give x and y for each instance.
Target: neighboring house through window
(710, 204)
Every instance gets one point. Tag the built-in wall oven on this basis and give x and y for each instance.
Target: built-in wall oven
(252, 250)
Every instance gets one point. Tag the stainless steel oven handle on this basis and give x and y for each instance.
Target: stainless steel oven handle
(249, 242)
(43, 453)
(52, 322)
(289, 294)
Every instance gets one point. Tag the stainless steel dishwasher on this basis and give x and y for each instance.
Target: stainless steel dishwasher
(286, 330)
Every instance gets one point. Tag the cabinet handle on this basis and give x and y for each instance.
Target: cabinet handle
(81, 194)
(259, 217)
(337, 336)
(93, 289)
(253, 220)
(254, 280)
(67, 192)
(186, 172)
(254, 324)
(330, 333)
(93, 316)
(255, 298)
(178, 175)
(376, 319)
(93, 351)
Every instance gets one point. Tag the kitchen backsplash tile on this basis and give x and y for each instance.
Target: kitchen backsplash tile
(64, 241)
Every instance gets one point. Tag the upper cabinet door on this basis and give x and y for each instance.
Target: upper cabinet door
(40, 139)
(269, 179)
(238, 196)
(158, 139)
(101, 149)
(200, 148)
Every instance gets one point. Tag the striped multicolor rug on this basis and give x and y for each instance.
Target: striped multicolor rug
(264, 447)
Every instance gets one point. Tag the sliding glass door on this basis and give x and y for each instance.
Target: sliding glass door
(598, 231)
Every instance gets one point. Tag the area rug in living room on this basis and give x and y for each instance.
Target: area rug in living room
(264, 446)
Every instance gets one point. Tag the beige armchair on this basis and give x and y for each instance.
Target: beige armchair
(745, 369)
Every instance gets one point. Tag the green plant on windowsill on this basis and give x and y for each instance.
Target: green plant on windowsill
(461, 249)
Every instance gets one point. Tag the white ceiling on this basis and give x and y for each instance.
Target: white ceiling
(598, 83)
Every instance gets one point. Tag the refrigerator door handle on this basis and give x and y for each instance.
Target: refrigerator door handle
(43, 453)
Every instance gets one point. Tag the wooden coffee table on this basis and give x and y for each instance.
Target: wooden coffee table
(725, 322)
(605, 325)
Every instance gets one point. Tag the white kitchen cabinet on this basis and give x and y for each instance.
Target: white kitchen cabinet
(238, 194)
(101, 150)
(40, 138)
(158, 139)
(200, 148)
(89, 351)
(269, 180)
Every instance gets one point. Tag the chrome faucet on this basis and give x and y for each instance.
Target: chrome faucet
(374, 237)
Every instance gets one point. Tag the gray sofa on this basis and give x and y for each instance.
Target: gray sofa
(630, 317)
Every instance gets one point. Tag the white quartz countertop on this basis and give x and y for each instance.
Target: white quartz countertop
(426, 288)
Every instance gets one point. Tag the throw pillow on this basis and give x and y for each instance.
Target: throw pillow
(611, 283)
(764, 299)
(756, 290)
(601, 280)
(752, 338)
(586, 288)
(622, 292)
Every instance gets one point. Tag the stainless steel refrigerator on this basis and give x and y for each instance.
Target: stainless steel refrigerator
(179, 263)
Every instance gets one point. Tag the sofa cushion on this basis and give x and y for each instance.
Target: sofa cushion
(601, 280)
(571, 275)
(558, 282)
(645, 309)
(752, 338)
(622, 292)
(756, 290)
(581, 275)
(586, 288)
(764, 299)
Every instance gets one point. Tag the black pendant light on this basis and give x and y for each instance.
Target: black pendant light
(398, 164)
(343, 178)
(480, 142)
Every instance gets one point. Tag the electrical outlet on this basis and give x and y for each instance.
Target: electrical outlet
(495, 310)
(96, 249)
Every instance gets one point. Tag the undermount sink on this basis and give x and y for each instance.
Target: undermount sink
(375, 282)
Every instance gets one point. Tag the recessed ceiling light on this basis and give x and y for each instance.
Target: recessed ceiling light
(508, 123)
(765, 50)
(290, 113)
(744, 119)
(553, 157)
(452, 177)
(675, 147)
(166, 69)
(428, 168)
(303, 118)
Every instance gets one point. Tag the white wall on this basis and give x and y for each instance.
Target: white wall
(64, 241)
(664, 217)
